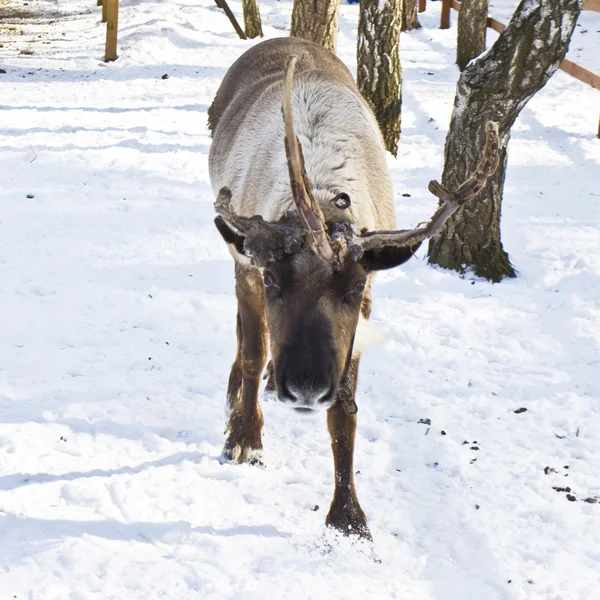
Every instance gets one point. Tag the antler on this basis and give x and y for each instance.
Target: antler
(451, 201)
(309, 211)
(264, 242)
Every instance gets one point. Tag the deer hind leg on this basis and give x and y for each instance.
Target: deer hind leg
(244, 439)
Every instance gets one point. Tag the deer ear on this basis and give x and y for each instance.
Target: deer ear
(387, 257)
(230, 235)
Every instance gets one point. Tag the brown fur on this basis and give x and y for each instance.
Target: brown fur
(312, 317)
(246, 420)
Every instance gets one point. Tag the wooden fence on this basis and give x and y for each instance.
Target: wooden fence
(577, 71)
(110, 16)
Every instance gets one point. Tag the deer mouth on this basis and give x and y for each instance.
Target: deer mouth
(304, 409)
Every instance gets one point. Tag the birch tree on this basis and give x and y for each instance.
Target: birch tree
(410, 20)
(496, 87)
(379, 76)
(317, 21)
(252, 22)
(471, 27)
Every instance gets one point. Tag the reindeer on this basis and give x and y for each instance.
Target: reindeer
(304, 203)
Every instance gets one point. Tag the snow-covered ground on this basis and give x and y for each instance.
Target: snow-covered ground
(117, 333)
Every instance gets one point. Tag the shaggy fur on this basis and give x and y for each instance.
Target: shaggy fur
(341, 142)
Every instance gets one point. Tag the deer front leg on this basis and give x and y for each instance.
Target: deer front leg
(244, 440)
(345, 513)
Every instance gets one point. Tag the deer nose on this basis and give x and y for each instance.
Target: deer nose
(309, 397)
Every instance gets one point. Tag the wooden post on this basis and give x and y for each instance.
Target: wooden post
(112, 22)
(98, 2)
(104, 3)
(224, 6)
(445, 21)
(591, 5)
(599, 128)
(422, 5)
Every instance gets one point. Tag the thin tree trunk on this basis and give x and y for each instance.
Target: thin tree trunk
(317, 21)
(410, 20)
(496, 87)
(379, 75)
(472, 24)
(252, 24)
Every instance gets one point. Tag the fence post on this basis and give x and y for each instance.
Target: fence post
(103, 4)
(445, 21)
(112, 22)
(422, 5)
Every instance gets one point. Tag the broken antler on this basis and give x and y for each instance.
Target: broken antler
(309, 211)
(262, 241)
(450, 201)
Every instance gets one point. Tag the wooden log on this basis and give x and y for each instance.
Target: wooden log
(422, 5)
(98, 2)
(591, 5)
(445, 20)
(222, 4)
(112, 22)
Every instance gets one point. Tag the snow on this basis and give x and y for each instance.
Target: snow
(117, 335)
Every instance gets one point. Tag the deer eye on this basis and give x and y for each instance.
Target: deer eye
(356, 291)
(270, 283)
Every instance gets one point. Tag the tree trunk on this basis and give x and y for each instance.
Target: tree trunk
(472, 23)
(379, 75)
(496, 87)
(410, 20)
(252, 24)
(317, 21)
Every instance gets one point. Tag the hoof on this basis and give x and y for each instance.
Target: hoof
(349, 519)
(238, 454)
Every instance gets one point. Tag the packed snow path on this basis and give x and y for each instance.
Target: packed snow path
(117, 334)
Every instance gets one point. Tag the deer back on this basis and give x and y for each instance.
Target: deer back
(342, 145)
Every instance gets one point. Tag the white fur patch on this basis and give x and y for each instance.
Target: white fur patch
(367, 335)
(227, 414)
(254, 456)
(235, 456)
(241, 258)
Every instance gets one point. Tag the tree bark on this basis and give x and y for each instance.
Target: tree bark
(410, 20)
(472, 24)
(379, 75)
(496, 87)
(317, 21)
(252, 24)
